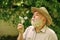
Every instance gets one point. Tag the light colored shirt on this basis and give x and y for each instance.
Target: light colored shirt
(45, 34)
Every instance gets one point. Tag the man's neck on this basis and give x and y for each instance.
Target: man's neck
(37, 29)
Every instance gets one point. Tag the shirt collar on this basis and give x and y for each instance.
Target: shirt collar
(42, 30)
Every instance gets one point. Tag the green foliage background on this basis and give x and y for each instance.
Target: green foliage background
(10, 10)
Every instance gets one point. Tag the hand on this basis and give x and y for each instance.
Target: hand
(20, 28)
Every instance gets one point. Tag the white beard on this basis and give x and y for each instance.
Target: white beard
(36, 22)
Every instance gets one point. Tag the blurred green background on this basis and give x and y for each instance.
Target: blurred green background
(13, 12)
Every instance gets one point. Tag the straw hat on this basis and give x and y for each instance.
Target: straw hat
(43, 11)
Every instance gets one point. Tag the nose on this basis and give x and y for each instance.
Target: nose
(33, 19)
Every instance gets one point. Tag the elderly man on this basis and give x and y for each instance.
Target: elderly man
(39, 29)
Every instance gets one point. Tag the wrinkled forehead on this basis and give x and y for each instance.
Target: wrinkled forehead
(37, 13)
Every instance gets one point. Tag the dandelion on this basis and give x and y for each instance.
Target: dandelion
(22, 19)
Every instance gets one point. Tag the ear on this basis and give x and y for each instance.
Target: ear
(44, 19)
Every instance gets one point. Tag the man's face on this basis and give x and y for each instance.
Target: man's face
(38, 20)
